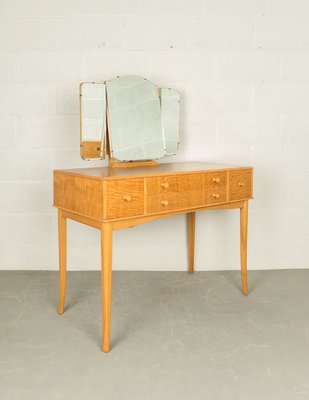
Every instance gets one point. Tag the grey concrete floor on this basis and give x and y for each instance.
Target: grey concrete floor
(174, 336)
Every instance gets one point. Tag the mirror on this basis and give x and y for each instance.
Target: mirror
(134, 119)
(129, 118)
(92, 120)
(170, 119)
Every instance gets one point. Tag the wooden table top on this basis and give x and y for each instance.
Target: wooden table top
(102, 173)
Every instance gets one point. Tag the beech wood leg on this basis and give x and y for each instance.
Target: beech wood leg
(191, 240)
(243, 246)
(106, 276)
(62, 237)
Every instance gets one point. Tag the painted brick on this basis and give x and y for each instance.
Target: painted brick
(8, 128)
(285, 241)
(180, 66)
(255, 128)
(57, 131)
(298, 193)
(33, 33)
(297, 8)
(108, 63)
(156, 33)
(42, 8)
(49, 67)
(171, 8)
(295, 65)
(35, 98)
(67, 98)
(205, 96)
(281, 97)
(239, 7)
(295, 128)
(26, 197)
(32, 165)
(92, 32)
(6, 33)
(275, 161)
(7, 99)
(248, 65)
(223, 32)
(7, 67)
(106, 7)
(282, 32)
(269, 193)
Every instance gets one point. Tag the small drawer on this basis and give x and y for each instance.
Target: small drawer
(174, 201)
(240, 184)
(174, 184)
(124, 198)
(215, 187)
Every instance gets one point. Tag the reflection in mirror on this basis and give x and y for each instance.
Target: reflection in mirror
(134, 119)
(93, 120)
(170, 119)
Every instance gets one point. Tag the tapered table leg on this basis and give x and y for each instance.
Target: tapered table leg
(106, 276)
(62, 237)
(243, 246)
(191, 240)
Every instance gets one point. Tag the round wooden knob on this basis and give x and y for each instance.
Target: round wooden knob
(164, 202)
(216, 195)
(216, 180)
(241, 183)
(165, 185)
(127, 197)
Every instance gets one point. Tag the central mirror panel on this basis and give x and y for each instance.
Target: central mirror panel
(134, 119)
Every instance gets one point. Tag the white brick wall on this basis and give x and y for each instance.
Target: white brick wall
(242, 67)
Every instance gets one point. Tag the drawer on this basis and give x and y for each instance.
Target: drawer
(124, 198)
(174, 184)
(174, 201)
(215, 187)
(240, 184)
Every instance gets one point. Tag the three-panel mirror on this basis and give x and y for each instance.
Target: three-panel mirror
(129, 118)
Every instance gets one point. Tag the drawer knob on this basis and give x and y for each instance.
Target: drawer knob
(164, 202)
(216, 195)
(216, 180)
(241, 184)
(165, 185)
(127, 197)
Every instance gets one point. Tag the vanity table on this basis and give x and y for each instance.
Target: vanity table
(134, 122)
(117, 198)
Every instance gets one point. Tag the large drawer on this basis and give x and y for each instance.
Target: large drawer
(174, 201)
(174, 184)
(124, 198)
(240, 184)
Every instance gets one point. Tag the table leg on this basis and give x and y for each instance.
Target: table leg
(106, 276)
(191, 240)
(62, 237)
(243, 245)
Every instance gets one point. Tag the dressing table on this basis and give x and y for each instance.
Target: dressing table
(126, 194)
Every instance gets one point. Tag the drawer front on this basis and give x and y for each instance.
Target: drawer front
(215, 187)
(124, 198)
(240, 184)
(174, 201)
(174, 184)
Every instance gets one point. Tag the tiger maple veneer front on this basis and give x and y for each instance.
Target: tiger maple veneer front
(116, 198)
